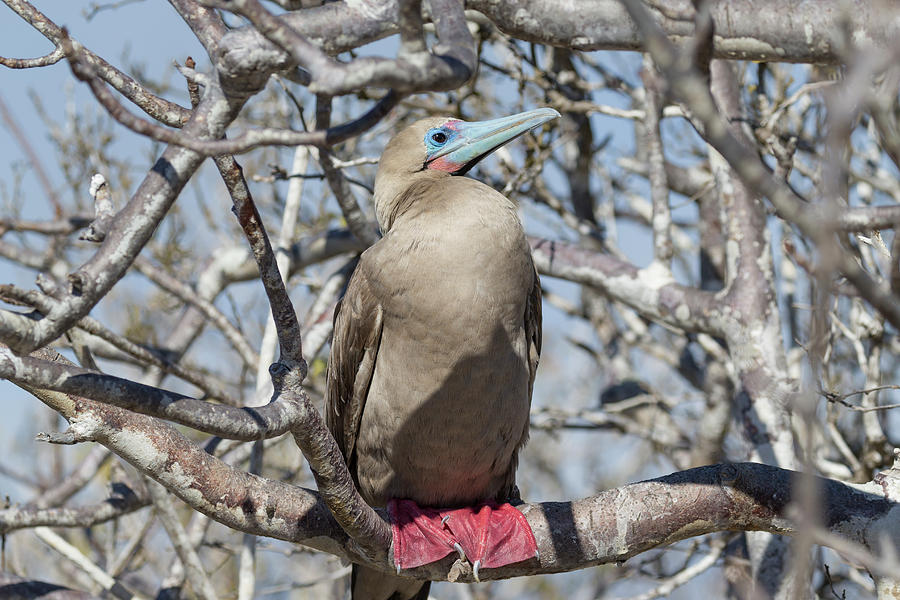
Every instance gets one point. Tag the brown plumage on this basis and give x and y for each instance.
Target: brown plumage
(436, 343)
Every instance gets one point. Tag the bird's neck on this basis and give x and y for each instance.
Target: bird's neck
(394, 197)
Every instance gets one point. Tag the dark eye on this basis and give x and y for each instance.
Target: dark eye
(439, 137)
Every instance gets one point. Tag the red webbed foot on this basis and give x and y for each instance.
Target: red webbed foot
(488, 535)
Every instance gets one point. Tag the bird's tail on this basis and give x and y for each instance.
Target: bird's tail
(369, 584)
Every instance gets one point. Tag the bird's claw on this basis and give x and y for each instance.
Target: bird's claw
(460, 551)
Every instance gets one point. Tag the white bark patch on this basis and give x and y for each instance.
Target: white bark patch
(377, 11)
(691, 529)
(83, 428)
(179, 478)
(862, 38)
(620, 544)
(653, 278)
(749, 46)
(764, 260)
(7, 356)
(639, 289)
(419, 60)
(732, 254)
(661, 221)
(96, 182)
(139, 447)
(524, 19)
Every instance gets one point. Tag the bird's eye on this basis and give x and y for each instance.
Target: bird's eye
(439, 137)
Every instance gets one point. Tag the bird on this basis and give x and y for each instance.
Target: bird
(437, 337)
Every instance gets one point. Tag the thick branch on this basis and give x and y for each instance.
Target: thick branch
(611, 526)
(450, 66)
(651, 291)
(206, 23)
(367, 529)
(757, 30)
(763, 406)
(229, 422)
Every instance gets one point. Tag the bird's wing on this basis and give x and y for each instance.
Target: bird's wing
(354, 348)
(533, 335)
(533, 330)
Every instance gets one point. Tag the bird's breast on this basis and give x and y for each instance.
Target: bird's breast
(449, 401)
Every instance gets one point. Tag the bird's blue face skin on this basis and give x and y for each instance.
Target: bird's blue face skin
(438, 138)
(456, 145)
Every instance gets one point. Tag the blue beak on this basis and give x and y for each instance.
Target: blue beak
(466, 143)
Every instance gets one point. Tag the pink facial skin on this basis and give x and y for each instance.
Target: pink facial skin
(442, 164)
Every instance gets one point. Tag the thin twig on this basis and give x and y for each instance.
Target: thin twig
(361, 227)
(185, 293)
(156, 107)
(30, 63)
(659, 186)
(666, 587)
(841, 398)
(70, 552)
(286, 323)
(165, 510)
(242, 143)
(690, 85)
(121, 502)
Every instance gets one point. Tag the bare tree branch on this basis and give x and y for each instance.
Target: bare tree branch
(672, 323)
(650, 291)
(230, 422)
(122, 501)
(30, 588)
(766, 30)
(157, 108)
(689, 85)
(286, 323)
(452, 64)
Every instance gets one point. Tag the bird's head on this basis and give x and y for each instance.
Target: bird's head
(440, 147)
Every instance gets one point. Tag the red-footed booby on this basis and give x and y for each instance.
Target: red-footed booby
(435, 348)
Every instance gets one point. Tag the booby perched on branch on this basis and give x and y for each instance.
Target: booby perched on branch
(436, 342)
